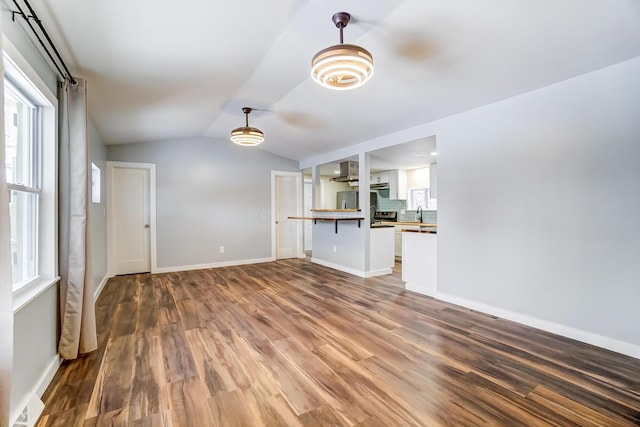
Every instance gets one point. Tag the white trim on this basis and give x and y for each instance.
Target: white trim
(27, 80)
(545, 325)
(299, 208)
(151, 167)
(381, 272)
(100, 288)
(32, 400)
(339, 267)
(46, 377)
(420, 289)
(359, 273)
(26, 75)
(212, 265)
(27, 293)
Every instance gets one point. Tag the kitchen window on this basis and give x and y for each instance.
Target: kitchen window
(30, 118)
(418, 197)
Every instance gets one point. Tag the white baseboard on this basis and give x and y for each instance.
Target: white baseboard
(349, 270)
(98, 291)
(212, 265)
(545, 325)
(32, 401)
(47, 376)
(359, 273)
(414, 287)
(381, 272)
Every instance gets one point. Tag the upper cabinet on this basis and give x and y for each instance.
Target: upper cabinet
(397, 184)
(379, 178)
(395, 180)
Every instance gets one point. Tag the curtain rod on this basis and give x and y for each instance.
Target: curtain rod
(66, 74)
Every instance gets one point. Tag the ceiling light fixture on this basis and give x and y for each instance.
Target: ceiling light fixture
(342, 66)
(246, 135)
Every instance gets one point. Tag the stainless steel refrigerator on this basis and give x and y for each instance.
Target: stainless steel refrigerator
(349, 199)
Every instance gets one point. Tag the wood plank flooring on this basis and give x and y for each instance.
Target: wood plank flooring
(291, 343)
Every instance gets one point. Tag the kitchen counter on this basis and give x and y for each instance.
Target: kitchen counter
(335, 210)
(420, 230)
(409, 223)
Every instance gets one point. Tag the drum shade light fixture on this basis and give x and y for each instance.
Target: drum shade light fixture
(342, 66)
(246, 135)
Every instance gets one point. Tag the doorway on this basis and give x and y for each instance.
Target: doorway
(286, 190)
(131, 219)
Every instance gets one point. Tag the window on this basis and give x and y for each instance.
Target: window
(22, 161)
(30, 168)
(418, 197)
(95, 183)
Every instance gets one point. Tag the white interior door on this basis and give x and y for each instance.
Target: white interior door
(130, 220)
(287, 238)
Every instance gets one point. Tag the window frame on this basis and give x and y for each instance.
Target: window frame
(21, 75)
(411, 205)
(35, 172)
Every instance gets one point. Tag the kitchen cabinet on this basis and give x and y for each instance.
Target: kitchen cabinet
(379, 177)
(397, 184)
(420, 262)
(398, 242)
(381, 259)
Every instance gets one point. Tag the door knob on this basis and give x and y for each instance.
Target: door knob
(146, 226)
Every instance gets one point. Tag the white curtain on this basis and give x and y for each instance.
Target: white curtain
(77, 309)
(6, 292)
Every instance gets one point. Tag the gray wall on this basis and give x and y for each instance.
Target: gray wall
(538, 204)
(97, 211)
(210, 193)
(35, 325)
(15, 32)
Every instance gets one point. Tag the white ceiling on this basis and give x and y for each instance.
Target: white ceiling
(161, 69)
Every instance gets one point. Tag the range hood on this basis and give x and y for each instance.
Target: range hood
(348, 172)
(380, 186)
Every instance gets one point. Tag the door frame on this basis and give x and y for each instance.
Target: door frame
(151, 167)
(299, 238)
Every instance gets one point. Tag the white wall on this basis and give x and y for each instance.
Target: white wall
(417, 178)
(330, 191)
(35, 341)
(97, 211)
(538, 200)
(210, 193)
(349, 242)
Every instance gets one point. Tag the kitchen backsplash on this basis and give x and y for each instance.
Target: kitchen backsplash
(386, 204)
(427, 216)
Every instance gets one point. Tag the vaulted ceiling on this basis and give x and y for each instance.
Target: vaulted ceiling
(160, 69)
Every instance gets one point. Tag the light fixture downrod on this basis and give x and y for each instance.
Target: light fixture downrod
(247, 135)
(342, 66)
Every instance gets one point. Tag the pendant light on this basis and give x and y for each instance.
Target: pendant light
(246, 135)
(342, 66)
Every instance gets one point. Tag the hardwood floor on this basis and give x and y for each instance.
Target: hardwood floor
(291, 343)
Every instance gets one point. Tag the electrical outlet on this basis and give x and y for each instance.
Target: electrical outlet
(335, 248)
(402, 211)
(221, 249)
